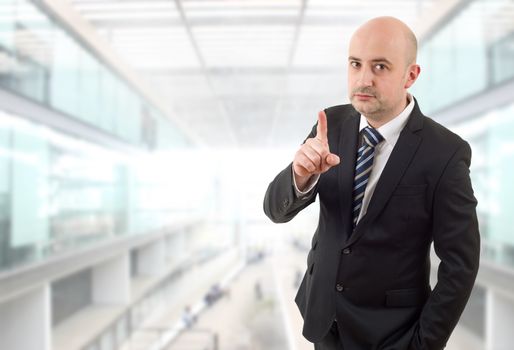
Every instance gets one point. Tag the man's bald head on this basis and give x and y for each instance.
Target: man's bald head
(390, 27)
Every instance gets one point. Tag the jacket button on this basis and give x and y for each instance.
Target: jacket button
(339, 287)
(347, 251)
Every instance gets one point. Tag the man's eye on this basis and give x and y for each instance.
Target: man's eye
(354, 64)
(380, 66)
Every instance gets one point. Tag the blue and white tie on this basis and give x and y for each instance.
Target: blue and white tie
(363, 166)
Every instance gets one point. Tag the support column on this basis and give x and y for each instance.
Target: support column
(499, 320)
(175, 250)
(111, 281)
(151, 259)
(25, 321)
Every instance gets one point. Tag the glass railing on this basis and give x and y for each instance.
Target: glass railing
(58, 192)
(471, 53)
(492, 142)
(42, 61)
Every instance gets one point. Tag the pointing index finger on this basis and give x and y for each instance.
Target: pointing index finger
(321, 129)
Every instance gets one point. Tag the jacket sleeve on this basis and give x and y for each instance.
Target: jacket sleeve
(281, 203)
(457, 244)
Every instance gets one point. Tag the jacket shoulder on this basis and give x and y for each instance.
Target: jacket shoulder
(340, 110)
(441, 135)
(336, 114)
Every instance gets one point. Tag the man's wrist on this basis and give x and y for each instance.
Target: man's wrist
(305, 184)
(301, 181)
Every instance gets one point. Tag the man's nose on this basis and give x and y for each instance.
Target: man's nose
(365, 77)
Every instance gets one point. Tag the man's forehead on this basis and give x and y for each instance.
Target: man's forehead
(390, 50)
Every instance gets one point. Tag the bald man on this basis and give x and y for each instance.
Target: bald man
(390, 181)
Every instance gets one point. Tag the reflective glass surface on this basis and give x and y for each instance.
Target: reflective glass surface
(40, 60)
(470, 53)
(58, 192)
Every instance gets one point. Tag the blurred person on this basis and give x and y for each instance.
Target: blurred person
(390, 181)
(214, 294)
(257, 288)
(188, 317)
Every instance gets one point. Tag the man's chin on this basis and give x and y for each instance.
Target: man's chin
(363, 107)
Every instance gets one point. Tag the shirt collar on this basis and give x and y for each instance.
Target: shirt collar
(390, 131)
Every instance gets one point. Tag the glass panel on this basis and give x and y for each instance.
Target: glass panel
(89, 88)
(7, 29)
(64, 80)
(5, 194)
(502, 55)
(492, 142)
(85, 182)
(7, 21)
(29, 188)
(57, 192)
(33, 47)
(42, 61)
(108, 106)
(469, 54)
(470, 62)
(500, 155)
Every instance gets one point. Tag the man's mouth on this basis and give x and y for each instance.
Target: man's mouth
(363, 96)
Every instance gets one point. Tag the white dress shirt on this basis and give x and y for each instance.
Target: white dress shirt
(390, 132)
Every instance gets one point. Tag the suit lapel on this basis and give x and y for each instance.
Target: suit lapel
(347, 151)
(398, 161)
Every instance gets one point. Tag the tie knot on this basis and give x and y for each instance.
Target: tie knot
(372, 136)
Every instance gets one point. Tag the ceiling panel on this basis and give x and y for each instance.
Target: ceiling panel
(257, 46)
(246, 73)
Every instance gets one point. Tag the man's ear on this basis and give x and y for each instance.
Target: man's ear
(412, 74)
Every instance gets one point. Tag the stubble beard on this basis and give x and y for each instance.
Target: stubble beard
(374, 110)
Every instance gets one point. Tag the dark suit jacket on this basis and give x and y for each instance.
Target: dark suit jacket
(383, 299)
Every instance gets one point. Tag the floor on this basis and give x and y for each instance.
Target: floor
(257, 312)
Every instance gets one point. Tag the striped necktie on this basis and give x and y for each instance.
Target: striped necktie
(365, 155)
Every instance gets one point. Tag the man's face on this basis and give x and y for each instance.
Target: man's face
(377, 74)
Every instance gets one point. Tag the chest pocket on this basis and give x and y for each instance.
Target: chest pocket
(410, 190)
(408, 203)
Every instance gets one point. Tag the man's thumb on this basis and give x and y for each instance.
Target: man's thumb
(332, 159)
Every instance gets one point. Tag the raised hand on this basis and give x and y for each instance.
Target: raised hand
(314, 155)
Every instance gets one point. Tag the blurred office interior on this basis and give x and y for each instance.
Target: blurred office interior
(137, 139)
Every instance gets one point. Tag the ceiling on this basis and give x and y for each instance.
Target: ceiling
(242, 73)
